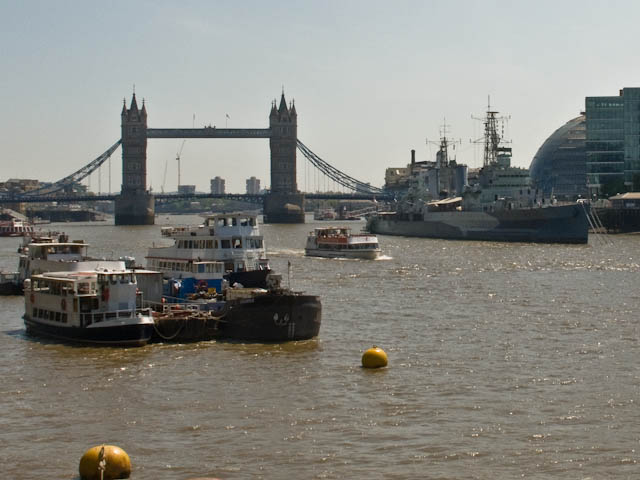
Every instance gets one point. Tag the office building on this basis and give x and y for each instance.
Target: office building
(613, 143)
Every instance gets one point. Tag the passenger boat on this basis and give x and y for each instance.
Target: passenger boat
(226, 246)
(15, 228)
(339, 242)
(99, 307)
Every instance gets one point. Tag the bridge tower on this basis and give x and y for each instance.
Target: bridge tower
(135, 205)
(284, 203)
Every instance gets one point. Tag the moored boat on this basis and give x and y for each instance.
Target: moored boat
(501, 205)
(99, 307)
(226, 246)
(242, 314)
(339, 242)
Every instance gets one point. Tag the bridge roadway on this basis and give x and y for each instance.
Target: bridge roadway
(208, 132)
(5, 199)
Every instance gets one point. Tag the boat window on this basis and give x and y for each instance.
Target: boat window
(64, 318)
(234, 221)
(208, 244)
(237, 242)
(201, 268)
(228, 266)
(225, 243)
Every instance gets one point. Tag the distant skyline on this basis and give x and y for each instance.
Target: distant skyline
(371, 80)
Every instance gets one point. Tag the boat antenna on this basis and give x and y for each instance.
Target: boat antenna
(289, 273)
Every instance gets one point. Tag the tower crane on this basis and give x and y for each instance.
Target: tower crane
(178, 159)
(164, 177)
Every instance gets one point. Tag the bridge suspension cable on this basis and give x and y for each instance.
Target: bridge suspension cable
(76, 176)
(335, 174)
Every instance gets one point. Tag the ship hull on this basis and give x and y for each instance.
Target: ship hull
(553, 224)
(264, 318)
(355, 254)
(131, 335)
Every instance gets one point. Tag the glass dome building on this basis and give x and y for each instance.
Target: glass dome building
(560, 165)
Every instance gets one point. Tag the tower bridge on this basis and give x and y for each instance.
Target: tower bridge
(135, 205)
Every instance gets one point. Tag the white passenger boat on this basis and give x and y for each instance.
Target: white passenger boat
(339, 242)
(15, 228)
(94, 307)
(226, 246)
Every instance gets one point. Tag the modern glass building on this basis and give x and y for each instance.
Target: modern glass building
(613, 143)
(559, 166)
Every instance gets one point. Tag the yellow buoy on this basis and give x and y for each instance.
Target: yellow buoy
(375, 357)
(112, 460)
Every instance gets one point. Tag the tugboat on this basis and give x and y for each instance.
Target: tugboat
(226, 246)
(501, 206)
(274, 314)
(339, 242)
(99, 307)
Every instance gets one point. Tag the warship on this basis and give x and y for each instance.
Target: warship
(499, 205)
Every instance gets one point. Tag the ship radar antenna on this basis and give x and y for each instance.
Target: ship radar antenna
(442, 156)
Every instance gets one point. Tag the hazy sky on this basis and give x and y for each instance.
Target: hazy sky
(371, 80)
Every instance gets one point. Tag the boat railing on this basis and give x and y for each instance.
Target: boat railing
(97, 317)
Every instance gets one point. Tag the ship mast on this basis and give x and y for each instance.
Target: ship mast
(442, 156)
(491, 136)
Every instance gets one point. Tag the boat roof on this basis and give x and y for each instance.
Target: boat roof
(230, 214)
(61, 244)
(446, 201)
(82, 274)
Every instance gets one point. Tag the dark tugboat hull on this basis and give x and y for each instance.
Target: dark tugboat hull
(263, 318)
(134, 335)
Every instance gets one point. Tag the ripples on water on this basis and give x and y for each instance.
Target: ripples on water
(506, 360)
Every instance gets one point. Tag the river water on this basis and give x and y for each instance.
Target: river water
(505, 361)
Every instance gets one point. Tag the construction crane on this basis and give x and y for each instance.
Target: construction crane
(178, 159)
(164, 177)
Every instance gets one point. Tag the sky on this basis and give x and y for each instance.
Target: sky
(371, 80)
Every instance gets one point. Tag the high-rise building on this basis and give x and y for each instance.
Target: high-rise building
(613, 142)
(217, 186)
(253, 186)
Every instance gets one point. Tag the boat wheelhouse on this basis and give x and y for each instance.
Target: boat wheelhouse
(226, 246)
(56, 253)
(339, 242)
(100, 307)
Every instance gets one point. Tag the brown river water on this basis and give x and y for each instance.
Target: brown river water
(505, 361)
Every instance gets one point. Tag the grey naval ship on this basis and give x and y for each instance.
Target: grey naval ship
(499, 205)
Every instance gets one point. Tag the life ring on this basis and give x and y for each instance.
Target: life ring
(63, 304)
(105, 294)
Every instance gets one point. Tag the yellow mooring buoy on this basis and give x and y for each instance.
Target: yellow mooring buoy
(105, 462)
(375, 357)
